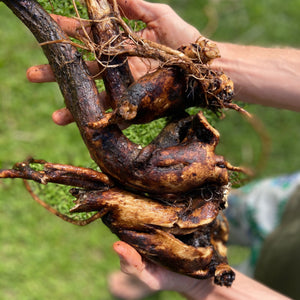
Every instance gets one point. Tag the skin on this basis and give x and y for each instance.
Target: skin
(265, 76)
(156, 278)
(256, 72)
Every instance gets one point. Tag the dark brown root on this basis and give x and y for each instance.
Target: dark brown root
(179, 225)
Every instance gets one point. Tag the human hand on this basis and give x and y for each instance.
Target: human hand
(144, 277)
(155, 278)
(163, 26)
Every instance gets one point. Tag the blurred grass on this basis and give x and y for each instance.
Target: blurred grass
(42, 257)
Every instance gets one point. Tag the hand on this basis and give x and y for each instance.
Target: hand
(149, 277)
(155, 278)
(163, 26)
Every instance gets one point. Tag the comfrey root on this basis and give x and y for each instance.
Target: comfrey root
(164, 199)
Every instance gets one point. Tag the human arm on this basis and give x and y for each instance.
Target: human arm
(157, 278)
(203, 288)
(266, 76)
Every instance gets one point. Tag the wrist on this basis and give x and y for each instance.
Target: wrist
(235, 61)
(229, 59)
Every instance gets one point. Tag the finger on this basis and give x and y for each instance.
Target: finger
(131, 263)
(72, 27)
(130, 260)
(40, 73)
(139, 66)
(44, 73)
(163, 24)
(62, 117)
(140, 10)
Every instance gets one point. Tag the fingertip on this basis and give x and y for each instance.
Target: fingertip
(31, 74)
(40, 73)
(62, 117)
(131, 261)
(120, 248)
(56, 118)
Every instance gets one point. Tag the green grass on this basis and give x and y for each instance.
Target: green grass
(42, 257)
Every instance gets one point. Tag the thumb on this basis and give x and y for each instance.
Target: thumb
(130, 260)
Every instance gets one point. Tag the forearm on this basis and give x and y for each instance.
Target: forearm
(242, 288)
(266, 76)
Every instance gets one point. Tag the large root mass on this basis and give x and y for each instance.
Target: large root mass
(164, 199)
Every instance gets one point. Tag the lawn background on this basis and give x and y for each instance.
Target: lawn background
(42, 257)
